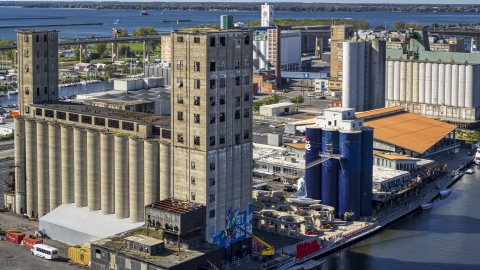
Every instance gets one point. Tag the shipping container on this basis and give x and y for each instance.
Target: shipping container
(80, 254)
(29, 242)
(15, 236)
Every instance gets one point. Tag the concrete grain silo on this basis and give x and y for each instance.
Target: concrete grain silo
(68, 188)
(136, 183)
(151, 171)
(54, 163)
(80, 166)
(31, 166)
(93, 170)
(20, 184)
(122, 207)
(107, 160)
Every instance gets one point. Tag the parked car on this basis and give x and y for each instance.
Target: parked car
(273, 126)
(289, 189)
(322, 97)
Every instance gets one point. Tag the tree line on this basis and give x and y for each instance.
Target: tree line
(357, 24)
(249, 6)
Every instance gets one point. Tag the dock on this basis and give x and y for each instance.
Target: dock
(356, 231)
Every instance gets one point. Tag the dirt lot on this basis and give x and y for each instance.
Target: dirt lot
(18, 257)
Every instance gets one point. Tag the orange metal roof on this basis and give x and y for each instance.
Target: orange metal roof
(391, 156)
(311, 121)
(378, 111)
(296, 145)
(408, 130)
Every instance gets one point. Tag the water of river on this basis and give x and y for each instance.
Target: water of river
(447, 237)
(64, 91)
(131, 19)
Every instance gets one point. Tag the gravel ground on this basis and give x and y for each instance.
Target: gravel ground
(18, 257)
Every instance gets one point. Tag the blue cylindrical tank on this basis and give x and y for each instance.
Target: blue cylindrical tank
(313, 147)
(330, 169)
(349, 174)
(366, 181)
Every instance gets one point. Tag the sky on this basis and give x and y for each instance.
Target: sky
(432, 2)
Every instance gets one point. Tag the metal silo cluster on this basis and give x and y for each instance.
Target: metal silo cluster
(344, 180)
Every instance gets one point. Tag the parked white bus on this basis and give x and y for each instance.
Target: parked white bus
(44, 251)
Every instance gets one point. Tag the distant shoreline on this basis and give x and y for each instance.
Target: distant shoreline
(253, 6)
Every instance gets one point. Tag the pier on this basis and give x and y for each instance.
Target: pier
(32, 18)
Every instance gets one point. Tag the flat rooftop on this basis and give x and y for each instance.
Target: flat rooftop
(176, 206)
(137, 117)
(382, 174)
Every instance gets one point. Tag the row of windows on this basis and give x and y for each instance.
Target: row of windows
(87, 119)
(213, 40)
(196, 139)
(213, 100)
(37, 38)
(37, 68)
(193, 180)
(212, 199)
(213, 82)
(196, 116)
(213, 65)
(45, 53)
(45, 90)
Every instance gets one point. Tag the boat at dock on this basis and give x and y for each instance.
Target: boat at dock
(426, 206)
(469, 171)
(445, 192)
(476, 159)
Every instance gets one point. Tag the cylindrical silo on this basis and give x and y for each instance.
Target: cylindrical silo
(54, 164)
(80, 166)
(448, 84)
(441, 84)
(330, 169)
(151, 174)
(461, 86)
(313, 148)
(20, 180)
(415, 82)
(378, 93)
(68, 187)
(349, 174)
(360, 78)
(390, 79)
(403, 80)
(366, 172)
(165, 184)
(255, 49)
(107, 159)
(121, 177)
(262, 55)
(409, 82)
(421, 83)
(349, 69)
(42, 168)
(434, 83)
(93, 170)
(454, 85)
(396, 80)
(469, 86)
(31, 166)
(428, 83)
(136, 184)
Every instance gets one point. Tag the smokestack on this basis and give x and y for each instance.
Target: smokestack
(278, 71)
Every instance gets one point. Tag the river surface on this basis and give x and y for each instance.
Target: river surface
(446, 237)
(64, 91)
(131, 19)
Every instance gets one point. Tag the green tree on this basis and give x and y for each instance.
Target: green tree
(122, 32)
(297, 100)
(379, 27)
(110, 70)
(256, 105)
(399, 25)
(412, 24)
(271, 100)
(147, 31)
(101, 49)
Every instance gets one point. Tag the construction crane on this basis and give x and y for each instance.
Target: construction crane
(268, 250)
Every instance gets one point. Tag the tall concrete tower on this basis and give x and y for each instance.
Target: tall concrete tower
(211, 127)
(267, 15)
(37, 68)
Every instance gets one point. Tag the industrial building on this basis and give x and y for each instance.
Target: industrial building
(265, 48)
(277, 109)
(400, 131)
(437, 84)
(116, 161)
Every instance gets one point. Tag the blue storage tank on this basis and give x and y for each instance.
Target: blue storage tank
(313, 147)
(330, 169)
(366, 181)
(349, 174)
